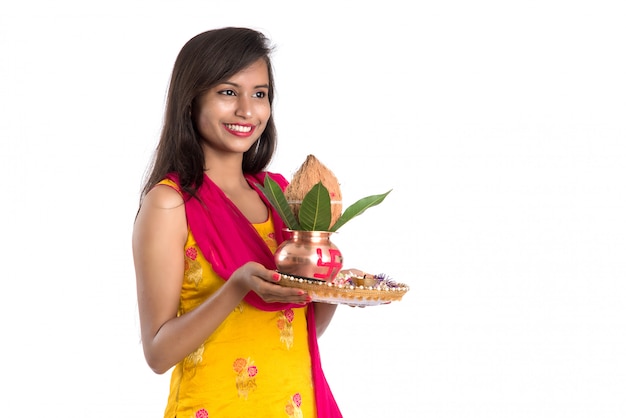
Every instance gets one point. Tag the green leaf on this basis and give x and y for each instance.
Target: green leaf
(277, 198)
(314, 213)
(358, 208)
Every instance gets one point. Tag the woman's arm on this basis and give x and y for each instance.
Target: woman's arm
(324, 313)
(159, 238)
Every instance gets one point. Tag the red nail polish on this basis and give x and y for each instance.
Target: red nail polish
(276, 277)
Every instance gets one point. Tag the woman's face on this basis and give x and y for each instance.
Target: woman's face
(232, 115)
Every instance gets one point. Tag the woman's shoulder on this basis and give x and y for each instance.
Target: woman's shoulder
(166, 195)
(171, 183)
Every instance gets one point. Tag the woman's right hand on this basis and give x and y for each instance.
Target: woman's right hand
(255, 277)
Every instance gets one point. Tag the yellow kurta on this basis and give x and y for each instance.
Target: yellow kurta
(256, 364)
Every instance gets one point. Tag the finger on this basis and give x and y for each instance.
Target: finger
(269, 276)
(274, 292)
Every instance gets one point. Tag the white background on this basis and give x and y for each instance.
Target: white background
(500, 126)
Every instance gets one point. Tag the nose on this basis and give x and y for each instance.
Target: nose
(244, 107)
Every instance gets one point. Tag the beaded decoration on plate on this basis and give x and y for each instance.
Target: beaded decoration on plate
(349, 289)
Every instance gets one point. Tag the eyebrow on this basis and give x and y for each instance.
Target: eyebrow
(260, 86)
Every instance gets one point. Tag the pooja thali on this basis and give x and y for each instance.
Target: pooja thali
(367, 290)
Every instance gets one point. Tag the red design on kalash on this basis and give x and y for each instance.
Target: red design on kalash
(334, 265)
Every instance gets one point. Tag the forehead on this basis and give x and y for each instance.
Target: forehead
(256, 73)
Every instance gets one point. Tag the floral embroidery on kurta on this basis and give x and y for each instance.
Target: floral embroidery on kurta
(193, 269)
(193, 359)
(201, 413)
(285, 326)
(270, 240)
(293, 406)
(245, 381)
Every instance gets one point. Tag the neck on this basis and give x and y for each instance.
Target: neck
(228, 180)
(225, 171)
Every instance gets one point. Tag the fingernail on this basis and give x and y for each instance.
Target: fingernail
(276, 277)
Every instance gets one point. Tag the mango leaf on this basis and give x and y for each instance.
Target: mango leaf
(358, 208)
(314, 213)
(276, 197)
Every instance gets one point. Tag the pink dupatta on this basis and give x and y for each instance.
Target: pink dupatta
(228, 240)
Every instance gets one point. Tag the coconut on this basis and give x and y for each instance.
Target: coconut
(311, 172)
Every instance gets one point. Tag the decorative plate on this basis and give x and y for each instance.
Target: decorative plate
(347, 289)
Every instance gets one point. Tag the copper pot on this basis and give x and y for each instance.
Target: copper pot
(310, 255)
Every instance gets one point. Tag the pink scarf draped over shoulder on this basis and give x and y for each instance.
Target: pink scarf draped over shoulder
(228, 240)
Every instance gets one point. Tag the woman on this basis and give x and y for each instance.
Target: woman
(209, 302)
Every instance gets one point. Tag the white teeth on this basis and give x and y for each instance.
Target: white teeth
(239, 128)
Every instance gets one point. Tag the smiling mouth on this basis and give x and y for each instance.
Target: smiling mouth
(238, 128)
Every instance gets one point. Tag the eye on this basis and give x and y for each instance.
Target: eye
(227, 92)
(260, 94)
